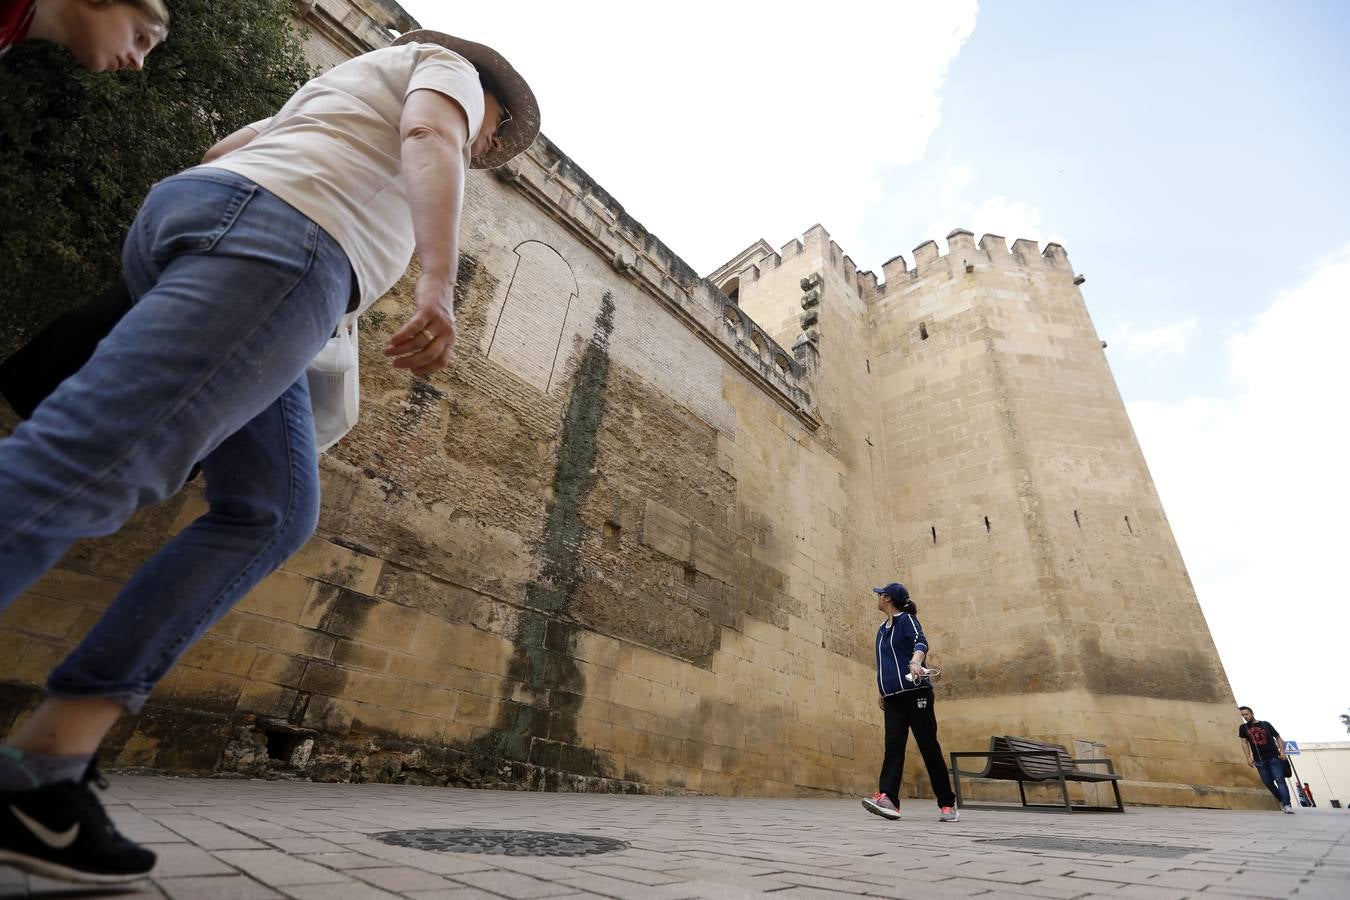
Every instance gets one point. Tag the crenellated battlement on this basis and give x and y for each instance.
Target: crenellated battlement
(964, 254)
(963, 250)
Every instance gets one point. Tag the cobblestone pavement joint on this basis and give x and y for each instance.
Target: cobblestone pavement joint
(223, 839)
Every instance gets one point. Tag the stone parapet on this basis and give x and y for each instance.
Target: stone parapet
(563, 190)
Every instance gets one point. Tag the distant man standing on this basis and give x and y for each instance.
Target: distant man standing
(1265, 753)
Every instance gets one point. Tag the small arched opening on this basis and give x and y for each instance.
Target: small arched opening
(732, 288)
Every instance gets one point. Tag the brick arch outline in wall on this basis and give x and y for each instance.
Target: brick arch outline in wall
(527, 336)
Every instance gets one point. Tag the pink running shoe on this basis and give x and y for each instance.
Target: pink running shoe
(881, 805)
(948, 814)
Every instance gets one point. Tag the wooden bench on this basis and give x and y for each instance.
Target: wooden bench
(1022, 760)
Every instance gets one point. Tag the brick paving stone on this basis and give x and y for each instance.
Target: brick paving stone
(345, 837)
(1107, 877)
(1268, 885)
(299, 845)
(350, 890)
(1142, 892)
(840, 885)
(1188, 879)
(343, 860)
(453, 893)
(400, 878)
(546, 868)
(176, 860)
(215, 887)
(631, 873)
(1057, 887)
(1315, 890)
(272, 867)
(974, 886)
(713, 890)
(511, 884)
(143, 829)
(934, 891)
(206, 834)
(426, 860)
(1005, 875)
(623, 890)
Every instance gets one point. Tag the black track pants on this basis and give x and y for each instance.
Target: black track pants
(913, 711)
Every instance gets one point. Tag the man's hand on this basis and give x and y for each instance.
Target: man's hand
(426, 342)
(881, 702)
(916, 669)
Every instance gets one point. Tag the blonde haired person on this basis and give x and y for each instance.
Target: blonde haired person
(104, 35)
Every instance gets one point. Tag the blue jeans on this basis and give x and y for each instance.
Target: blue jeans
(1272, 773)
(235, 293)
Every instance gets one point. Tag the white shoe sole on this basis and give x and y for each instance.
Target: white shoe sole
(878, 810)
(64, 873)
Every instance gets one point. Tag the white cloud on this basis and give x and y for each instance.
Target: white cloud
(1153, 343)
(1256, 488)
(956, 180)
(715, 123)
(999, 215)
(1010, 218)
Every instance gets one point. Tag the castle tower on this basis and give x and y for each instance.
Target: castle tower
(1017, 506)
(810, 297)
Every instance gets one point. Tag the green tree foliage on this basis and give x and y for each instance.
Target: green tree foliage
(78, 151)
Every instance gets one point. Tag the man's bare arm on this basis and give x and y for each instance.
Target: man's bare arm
(434, 131)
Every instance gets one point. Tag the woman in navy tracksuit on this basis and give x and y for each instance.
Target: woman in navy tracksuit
(908, 704)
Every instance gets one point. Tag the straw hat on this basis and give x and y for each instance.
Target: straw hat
(507, 84)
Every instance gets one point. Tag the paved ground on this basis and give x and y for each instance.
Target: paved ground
(251, 839)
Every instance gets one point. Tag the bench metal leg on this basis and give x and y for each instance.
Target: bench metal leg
(1022, 791)
(1120, 804)
(956, 782)
(1064, 789)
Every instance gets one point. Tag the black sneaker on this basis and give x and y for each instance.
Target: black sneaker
(62, 831)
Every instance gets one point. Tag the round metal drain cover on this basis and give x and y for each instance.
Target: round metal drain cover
(501, 842)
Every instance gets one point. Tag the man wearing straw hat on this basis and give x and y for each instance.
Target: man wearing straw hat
(241, 270)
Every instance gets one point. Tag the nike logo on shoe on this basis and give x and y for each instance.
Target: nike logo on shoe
(57, 840)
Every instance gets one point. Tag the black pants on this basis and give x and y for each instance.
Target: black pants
(913, 711)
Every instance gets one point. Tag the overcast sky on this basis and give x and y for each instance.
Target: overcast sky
(1191, 158)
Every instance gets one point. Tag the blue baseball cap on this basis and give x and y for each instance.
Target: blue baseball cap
(895, 590)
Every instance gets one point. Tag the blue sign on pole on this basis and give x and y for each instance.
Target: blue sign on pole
(1291, 748)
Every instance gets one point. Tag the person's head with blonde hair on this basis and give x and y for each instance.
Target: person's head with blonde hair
(104, 35)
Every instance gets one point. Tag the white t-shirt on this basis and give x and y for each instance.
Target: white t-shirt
(333, 152)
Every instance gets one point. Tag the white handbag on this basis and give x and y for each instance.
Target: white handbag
(335, 385)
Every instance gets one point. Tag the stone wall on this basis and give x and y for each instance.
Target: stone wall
(336, 30)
